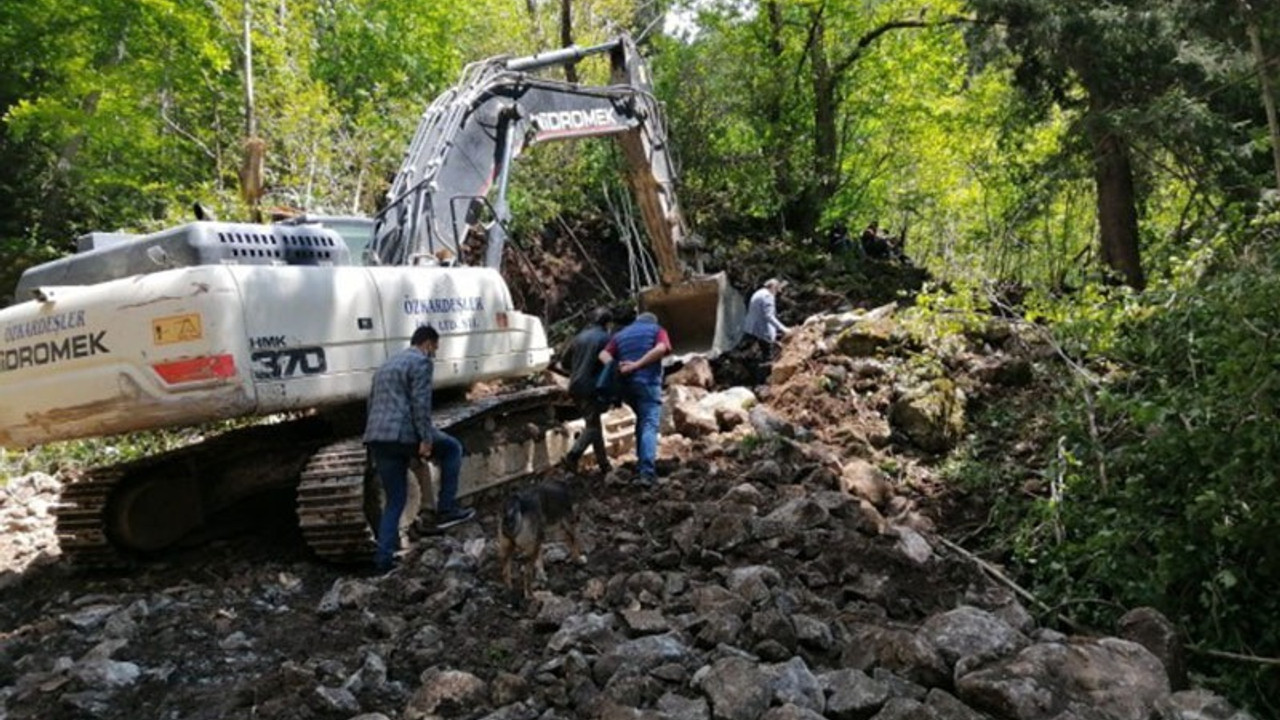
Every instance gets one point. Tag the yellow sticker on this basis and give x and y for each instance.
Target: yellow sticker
(176, 329)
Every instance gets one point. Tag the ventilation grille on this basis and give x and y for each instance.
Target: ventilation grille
(300, 249)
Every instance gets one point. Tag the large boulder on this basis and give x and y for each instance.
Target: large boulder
(1110, 678)
(930, 414)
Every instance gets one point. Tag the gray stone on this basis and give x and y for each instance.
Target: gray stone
(446, 692)
(967, 631)
(638, 656)
(1198, 705)
(905, 709)
(736, 688)
(852, 695)
(948, 707)
(338, 699)
(791, 712)
(1119, 679)
(1155, 632)
(678, 707)
(794, 684)
(590, 629)
(800, 514)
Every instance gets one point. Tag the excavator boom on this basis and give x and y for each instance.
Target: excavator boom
(462, 154)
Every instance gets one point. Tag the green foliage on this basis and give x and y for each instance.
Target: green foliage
(1158, 480)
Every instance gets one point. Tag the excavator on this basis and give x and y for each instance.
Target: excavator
(286, 324)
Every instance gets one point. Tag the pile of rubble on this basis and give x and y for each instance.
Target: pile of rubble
(785, 567)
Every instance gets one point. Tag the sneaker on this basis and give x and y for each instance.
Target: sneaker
(458, 517)
(646, 481)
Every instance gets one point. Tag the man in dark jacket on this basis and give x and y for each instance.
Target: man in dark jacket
(639, 348)
(399, 429)
(581, 360)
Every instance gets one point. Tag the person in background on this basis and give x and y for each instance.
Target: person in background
(762, 328)
(639, 349)
(581, 359)
(399, 429)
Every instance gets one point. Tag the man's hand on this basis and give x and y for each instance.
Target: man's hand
(626, 367)
(424, 449)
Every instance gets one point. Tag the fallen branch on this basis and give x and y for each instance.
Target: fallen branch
(1223, 655)
(1021, 592)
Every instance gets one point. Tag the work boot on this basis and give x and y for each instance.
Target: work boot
(457, 517)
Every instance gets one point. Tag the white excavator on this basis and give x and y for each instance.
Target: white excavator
(289, 321)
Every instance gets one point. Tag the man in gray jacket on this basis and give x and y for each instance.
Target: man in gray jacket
(762, 328)
(399, 429)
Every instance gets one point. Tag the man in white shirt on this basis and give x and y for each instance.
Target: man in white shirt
(763, 328)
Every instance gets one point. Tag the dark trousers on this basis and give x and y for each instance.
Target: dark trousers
(592, 433)
(391, 461)
(760, 354)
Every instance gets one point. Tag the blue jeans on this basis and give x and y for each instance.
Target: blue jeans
(646, 402)
(391, 460)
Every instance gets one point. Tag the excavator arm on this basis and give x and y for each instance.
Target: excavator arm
(468, 137)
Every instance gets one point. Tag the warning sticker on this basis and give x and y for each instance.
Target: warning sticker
(176, 329)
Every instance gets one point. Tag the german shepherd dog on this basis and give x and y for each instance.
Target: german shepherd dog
(528, 518)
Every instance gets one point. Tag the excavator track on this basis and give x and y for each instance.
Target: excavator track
(112, 516)
(332, 508)
(81, 533)
(331, 503)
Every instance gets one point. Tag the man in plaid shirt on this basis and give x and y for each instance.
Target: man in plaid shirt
(398, 429)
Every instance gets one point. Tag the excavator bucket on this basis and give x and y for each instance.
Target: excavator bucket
(703, 315)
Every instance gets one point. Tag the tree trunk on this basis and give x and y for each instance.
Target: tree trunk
(566, 37)
(826, 148)
(1117, 207)
(1264, 76)
(778, 144)
(254, 150)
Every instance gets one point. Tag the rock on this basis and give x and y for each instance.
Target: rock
(866, 481)
(791, 712)
(1197, 705)
(905, 709)
(338, 699)
(736, 687)
(590, 629)
(866, 338)
(695, 373)
(102, 672)
(692, 420)
(913, 545)
(676, 707)
(852, 695)
(794, 684)
(1006, 371)
(800, 514)
(1155, 632)
(753, 582)
(345, 593)
(948, 707)
(931, 415)
(968, 632)
(507, 689)
(1118, 679)
(645, 622)
(445, 692)
(639, 656)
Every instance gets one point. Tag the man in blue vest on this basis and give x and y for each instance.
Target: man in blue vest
(639, 349)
